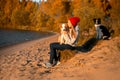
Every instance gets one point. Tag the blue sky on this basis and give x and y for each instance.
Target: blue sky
(38, 0)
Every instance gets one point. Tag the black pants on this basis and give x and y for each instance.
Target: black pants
(57, 46)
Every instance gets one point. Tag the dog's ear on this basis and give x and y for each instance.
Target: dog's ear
(94, 20)
(99, 21)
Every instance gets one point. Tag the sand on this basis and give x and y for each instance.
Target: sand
(23, 62)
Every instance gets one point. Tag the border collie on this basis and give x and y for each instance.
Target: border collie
(101, 30)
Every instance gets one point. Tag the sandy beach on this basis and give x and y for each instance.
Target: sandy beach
(20, 62)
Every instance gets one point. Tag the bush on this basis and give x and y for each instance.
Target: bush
(20, 18)
(66, 54)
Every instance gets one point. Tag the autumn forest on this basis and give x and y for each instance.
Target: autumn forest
(48, 15)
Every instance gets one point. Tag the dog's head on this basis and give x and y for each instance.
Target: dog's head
(97, 21)
(64, 27)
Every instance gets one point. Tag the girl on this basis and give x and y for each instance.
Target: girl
(71, 40)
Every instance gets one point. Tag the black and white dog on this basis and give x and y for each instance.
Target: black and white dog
(101, 30)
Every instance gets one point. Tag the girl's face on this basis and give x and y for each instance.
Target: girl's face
(69, 24)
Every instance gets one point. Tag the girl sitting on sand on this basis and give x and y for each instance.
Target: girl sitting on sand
(69, 39)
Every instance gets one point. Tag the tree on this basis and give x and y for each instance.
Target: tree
(115, 15)
(56, 10)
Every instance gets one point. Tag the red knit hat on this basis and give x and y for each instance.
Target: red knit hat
(74, 20)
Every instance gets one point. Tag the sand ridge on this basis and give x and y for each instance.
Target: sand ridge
(20, 62)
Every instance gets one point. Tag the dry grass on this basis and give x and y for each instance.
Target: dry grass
(66, 54)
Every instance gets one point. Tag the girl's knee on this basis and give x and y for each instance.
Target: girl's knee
(52, 45)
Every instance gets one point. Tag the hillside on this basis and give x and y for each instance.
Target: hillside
(19, 62)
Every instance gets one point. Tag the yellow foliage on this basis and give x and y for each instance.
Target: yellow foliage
(47, 15)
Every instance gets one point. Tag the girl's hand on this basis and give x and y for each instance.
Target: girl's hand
(73, 32)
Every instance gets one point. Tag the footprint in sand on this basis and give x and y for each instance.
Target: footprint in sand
(32, 71)
(22, 68)
(45, 72)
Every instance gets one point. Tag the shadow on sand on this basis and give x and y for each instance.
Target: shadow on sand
(88, 45)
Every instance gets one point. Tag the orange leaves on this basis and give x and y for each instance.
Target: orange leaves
(53, 12)
(29, 6)
(97, 3)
